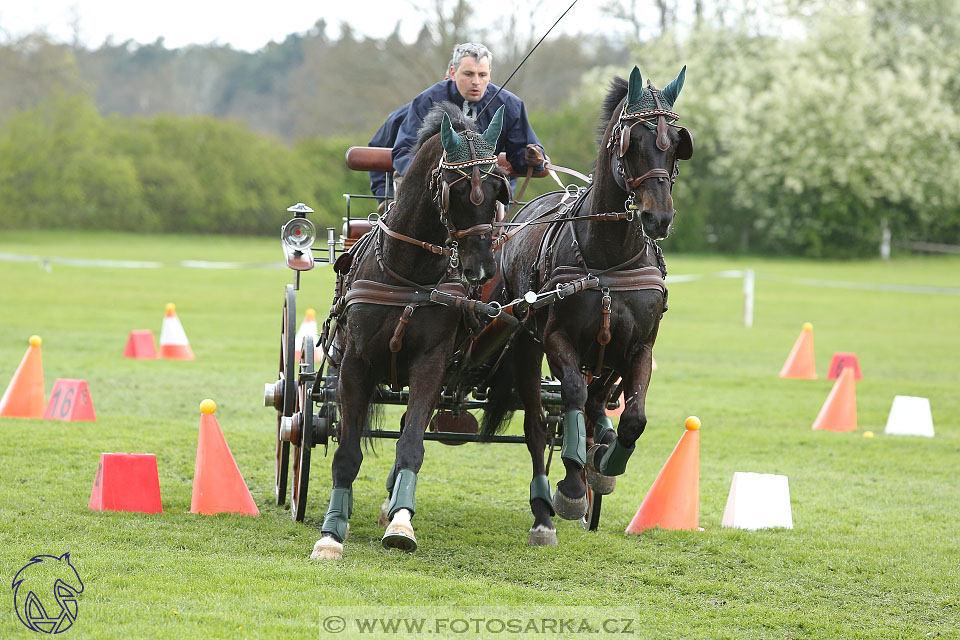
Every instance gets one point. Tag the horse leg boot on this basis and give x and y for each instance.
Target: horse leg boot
(570, 498)
(399, 533)
(335, 527)
(573, 453)
(542, 533)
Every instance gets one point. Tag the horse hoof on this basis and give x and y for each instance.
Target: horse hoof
(327, 548)
(540, 536)
(604, 485)
(384, 518)
(399, 536)
(569, 508)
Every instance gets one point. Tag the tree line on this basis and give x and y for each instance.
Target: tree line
(806, 144)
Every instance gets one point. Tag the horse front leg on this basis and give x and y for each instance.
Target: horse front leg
(610, 459)
(528, 359)
(353, 390)
(570, 499)
(426, 382)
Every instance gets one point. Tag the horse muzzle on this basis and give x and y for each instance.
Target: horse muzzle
(656, 224)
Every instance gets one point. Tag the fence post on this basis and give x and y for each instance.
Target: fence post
(748, 287)
(884, 240)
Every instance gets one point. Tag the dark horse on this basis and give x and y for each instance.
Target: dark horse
(604, 239)
(436, 239)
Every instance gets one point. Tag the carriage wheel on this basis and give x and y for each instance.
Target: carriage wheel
(288, 336)
(301, 436)
(591, 519)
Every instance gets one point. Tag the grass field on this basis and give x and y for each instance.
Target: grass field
(874, 552)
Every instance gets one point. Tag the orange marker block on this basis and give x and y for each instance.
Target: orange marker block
(25, 396)
(839, 412)
(218, 486)
(70, 400)
(140, 345)
(126, 482)
(799, 363)
(841, 360)
(673, 501)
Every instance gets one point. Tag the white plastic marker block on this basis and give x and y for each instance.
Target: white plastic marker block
(910, 416)
(758, 501)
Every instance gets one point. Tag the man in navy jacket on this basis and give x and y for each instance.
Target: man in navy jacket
(469, 86)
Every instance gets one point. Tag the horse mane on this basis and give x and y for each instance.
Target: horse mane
(616, 94)
(431, 122)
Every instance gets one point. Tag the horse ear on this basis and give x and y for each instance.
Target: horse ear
(451, 141)
(492, 134)
(635, 86)
(672, 90)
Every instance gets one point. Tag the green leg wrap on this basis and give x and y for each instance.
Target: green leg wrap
(403, 492)
(540, 488)
(574, 437)
(601, 427)
(341, 507)
(614, 461)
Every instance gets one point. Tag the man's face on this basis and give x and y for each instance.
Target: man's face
(472, 77)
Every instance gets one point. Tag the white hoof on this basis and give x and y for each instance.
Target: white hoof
(540, 536)
(327, 548)
(604, 485)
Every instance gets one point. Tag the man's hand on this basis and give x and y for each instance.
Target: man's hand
(533, 157)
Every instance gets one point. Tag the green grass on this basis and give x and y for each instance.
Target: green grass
(873, 553)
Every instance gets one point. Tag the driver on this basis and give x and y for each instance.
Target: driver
(469, 86)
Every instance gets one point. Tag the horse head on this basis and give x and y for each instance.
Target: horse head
(471, 192)
(644, 159)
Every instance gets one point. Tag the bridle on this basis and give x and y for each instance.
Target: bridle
(468, 169)
(619, 144)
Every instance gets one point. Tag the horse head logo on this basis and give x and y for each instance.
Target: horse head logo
(45, 593)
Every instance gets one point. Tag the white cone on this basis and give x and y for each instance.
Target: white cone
(910, 416)
(173, 339)
(758, 501)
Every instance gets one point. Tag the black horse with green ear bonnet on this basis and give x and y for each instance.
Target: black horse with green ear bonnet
(435, 239)
(605, 240)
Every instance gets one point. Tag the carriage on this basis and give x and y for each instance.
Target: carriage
(496, 330)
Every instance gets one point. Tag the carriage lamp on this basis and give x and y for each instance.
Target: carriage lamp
(299, 234)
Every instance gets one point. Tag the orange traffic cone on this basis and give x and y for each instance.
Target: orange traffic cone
(307, 328)
(839, 412)
(25, 396)
(218, 486)
(799, 363)
(173, 340)
(673, 501)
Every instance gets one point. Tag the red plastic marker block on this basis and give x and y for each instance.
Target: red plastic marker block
(140, 345)
(70, 400)
(126, 482)
(842, 360)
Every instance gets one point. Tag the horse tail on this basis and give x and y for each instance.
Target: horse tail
(497, 413)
